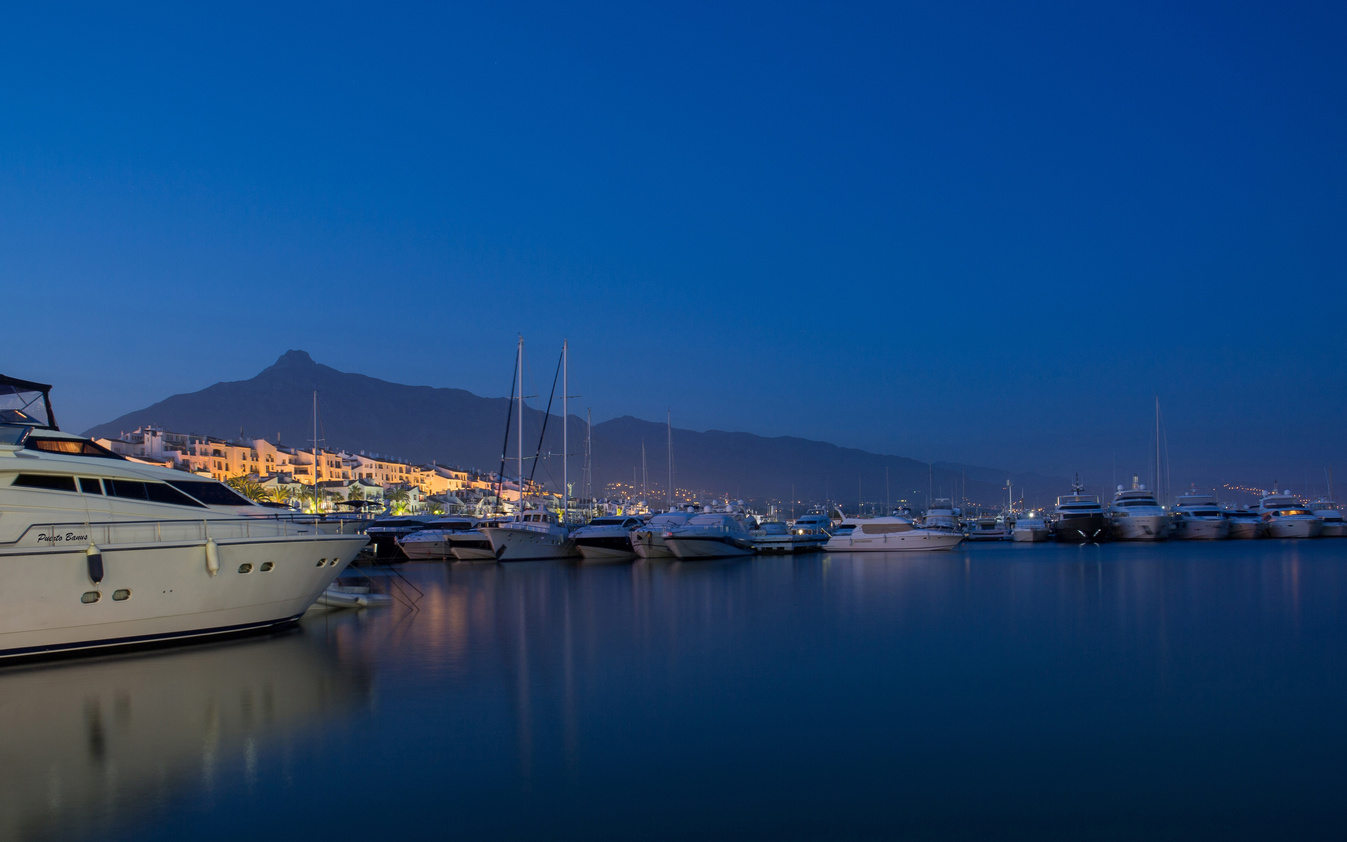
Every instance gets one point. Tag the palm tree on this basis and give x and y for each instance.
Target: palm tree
(397, 500)
(248, 487)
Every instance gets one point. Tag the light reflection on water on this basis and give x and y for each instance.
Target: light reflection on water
(1006, 690)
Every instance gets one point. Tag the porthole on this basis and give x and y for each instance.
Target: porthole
(321, 562)
(245, 568)
(90, 597)
(121, 594)
(268, 566)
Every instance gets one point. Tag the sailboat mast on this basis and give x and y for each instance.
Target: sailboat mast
(315, 451)
(668, 420)
(565, 432)
(645, 495)
(1157, 449)
(520, 376)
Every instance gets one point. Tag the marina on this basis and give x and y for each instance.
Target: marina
(1126, 689)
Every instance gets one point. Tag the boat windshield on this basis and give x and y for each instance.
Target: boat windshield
(24, 402)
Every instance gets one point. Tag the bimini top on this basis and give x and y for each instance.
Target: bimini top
(26, 402)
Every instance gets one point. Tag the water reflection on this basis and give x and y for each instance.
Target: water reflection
(87, 744)
(1071, 692)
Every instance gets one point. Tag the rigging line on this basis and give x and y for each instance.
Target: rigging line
(509, 416)
(546, 415)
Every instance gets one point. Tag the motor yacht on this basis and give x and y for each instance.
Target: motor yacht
(533, 536)
(1244, 524)
(647, 541)
(709, 535)
(1137, 516)
(1029, 529)
(941, 515)
(436, 540)
(811, 531)
(607, 538)
(97, 550)
(385, 533)
(1198, 517)
(894, 533)
(804, 535)
(1079, 518)
(473, 545)
(1287, 517)
(1330, 516)
(987, 528)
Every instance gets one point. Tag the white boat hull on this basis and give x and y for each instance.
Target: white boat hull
(1333, 529)
(1032, 535)
(1141, 528)
(591, 552)
(1279, 527)
(527, 544)
(161, 590)
(1201, 529)
(692, 548)
(1247, 529)
(916, 540)
(427, 550)
(649, 544)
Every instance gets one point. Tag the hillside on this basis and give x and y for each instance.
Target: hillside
(452, 426)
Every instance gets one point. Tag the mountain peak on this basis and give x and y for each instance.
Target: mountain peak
(295, 358)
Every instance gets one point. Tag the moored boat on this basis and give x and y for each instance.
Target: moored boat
(607, 538)
(1198, 517)
(1029, 529)
(1079, 518)
(894, 533)
(99, 551)
(709, 535)
(1244, 524)
(535, 535)
(1287, 517)
(1136, 515)
(1330, 517)
(647, 541)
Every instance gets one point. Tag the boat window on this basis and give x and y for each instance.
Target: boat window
(89, 485)
(46, 482)
(70, 447)
(884, 528)
(129, 489)
(210, 493)
(159, 492)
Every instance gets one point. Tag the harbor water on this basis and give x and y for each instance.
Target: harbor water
(1160, 691)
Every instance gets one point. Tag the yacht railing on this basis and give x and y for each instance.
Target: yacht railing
(99, 533)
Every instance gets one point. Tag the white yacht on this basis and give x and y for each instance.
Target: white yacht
(436, 540)
(804, 535)
(1029, 529)
(986, 528)
(894, 533)
(1198, 517)
(1245, 524)
(1079, 518)
(535, 535)
(647, 541)
(607, 538)
(1330, 516)
(1137, 516)
(811, 531)
(97, 550)
(709, 535)
(941, 515)
(473, 545)
(1287, 517)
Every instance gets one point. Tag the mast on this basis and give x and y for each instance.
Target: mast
(520, 375)
(1157, 449)
(589, 455)
(668, 420)
(645, 494)
(565, 428)
(315, 451)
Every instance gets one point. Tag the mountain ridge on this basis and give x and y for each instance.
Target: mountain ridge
(421, 424)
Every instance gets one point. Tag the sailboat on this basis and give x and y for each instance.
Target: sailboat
(534, 534)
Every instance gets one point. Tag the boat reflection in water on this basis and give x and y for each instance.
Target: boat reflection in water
(89, 745)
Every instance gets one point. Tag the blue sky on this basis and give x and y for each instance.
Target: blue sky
(964, 231)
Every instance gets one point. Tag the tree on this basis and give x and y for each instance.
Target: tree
(248, 487)
(397, 500)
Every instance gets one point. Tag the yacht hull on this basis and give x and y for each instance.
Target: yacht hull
(692, 548)
(917, 540)
(1333, 529)
(1247, 529)
(1029, 535)
(161, 591)
(606, 549)
(1141, 528)
(527, 544)
(649, 544)
(1201, 529)
(1083, 530)
(426, 550)
(1293, 527)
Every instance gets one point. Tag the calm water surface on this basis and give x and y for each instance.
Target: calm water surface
(1008, 691)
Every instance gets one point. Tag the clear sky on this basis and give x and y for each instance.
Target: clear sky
(988, 232)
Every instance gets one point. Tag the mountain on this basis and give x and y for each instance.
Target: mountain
(451, 426)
